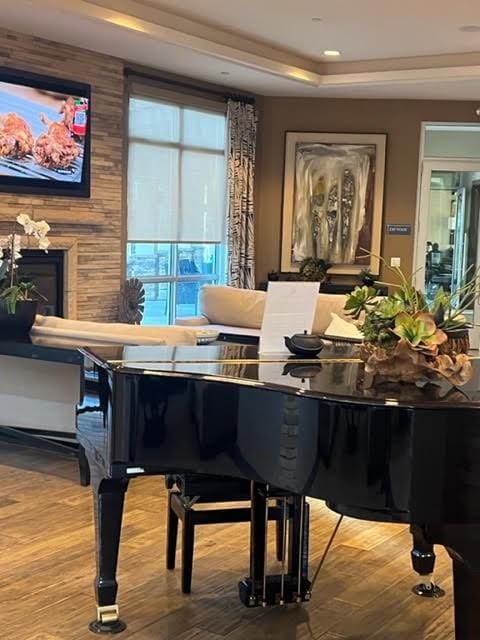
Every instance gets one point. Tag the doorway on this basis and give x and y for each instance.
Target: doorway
(447, 247)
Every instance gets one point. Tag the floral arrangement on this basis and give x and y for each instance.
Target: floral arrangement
(11, 290)
(406, 338)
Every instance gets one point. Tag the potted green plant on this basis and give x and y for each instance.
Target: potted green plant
(314, 269)
(407, 338)
(366, 277)
(19, 298)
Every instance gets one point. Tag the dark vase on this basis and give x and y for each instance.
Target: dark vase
(368, 281)
(20, 322)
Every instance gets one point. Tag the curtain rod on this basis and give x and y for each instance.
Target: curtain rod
(181, 83)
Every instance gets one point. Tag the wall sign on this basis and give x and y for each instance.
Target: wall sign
(399, 229)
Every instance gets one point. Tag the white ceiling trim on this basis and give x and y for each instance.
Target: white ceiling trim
(139, 21)
(399, 76)
(179, 38)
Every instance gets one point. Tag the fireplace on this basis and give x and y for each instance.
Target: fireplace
(47, 271)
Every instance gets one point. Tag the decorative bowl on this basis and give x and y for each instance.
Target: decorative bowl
(206, 336)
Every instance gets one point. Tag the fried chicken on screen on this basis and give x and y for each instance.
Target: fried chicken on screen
(16, 140)
(55, 149)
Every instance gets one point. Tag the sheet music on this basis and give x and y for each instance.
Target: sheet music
(289, 308)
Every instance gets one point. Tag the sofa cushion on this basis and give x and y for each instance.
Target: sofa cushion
(328, 303)
(232, 306)
(111, 332)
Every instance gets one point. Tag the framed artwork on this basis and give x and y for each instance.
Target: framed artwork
(333, 200)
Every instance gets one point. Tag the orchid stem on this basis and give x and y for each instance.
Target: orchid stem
(12, 260)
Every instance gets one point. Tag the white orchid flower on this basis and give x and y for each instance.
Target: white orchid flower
(42, 228)
(38, 229)
(27, 223)
(32, 227)
(43, 243)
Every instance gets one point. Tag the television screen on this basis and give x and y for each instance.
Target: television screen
(44, 135)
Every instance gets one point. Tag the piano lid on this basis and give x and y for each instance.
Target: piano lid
(336, 373)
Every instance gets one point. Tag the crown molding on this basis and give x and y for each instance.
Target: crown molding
(161, 26)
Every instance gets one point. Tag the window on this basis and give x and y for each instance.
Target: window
(176, 204)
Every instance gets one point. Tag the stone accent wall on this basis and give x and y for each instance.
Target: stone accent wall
(97, 222)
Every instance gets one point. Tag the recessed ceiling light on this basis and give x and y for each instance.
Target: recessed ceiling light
(317, 19)
(470, 28)
(333, 53)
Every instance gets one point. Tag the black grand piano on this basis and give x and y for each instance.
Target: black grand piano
(393, 453)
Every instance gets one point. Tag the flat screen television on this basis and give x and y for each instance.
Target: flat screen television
(44, 135)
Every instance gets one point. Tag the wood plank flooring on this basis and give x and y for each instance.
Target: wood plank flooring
(47, 567)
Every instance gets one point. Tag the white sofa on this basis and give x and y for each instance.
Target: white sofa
(91, 333)
(42, 395)
(235, 311)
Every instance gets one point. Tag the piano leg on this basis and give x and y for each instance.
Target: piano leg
(83, 467)
(466, 581)
(462, 544)
(108, 497)
(423, 562)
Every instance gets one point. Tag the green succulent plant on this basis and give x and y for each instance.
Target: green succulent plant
(390, 307)
(419, 331)
(406, 315)
(378, 330)
(17, 293)
(359, 301)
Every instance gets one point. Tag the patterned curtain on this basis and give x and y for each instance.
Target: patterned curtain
(242, 130)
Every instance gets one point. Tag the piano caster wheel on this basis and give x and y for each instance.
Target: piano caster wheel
(107, 621)
(429, 590)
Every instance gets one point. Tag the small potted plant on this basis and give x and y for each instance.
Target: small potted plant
(407, 338)
(314, 269)
(366, 277)
(19, 298)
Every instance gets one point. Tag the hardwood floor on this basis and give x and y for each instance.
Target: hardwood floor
(47, 567)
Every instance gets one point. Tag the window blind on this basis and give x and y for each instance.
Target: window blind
(176, 171)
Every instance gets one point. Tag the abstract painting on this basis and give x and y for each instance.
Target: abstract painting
(333, 200)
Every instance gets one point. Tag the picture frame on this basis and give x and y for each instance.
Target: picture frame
(333, 200)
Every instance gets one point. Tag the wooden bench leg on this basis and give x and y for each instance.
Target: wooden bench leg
(188, 538)
(172, 531)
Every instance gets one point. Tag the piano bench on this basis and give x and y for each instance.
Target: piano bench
(181, 507)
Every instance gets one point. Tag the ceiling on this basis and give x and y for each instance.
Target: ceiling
(361, 29)
(413, 49)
